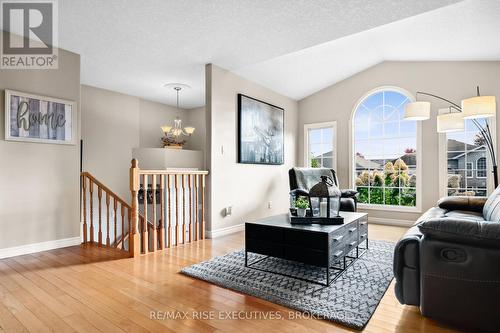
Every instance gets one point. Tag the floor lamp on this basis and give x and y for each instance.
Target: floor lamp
(453, 119)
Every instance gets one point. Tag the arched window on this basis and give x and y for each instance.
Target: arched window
(481, 167)
(385, 168)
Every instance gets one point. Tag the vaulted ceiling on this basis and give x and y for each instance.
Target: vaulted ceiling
(294, 47)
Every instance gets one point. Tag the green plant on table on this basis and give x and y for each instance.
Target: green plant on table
(302, 203)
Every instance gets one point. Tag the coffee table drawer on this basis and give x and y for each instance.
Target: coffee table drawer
(308, 256)
(264, 233)
(265, 248)
(311, 240)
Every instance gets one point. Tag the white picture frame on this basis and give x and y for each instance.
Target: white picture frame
(40, 119)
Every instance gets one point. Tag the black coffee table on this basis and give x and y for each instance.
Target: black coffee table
(325, 246)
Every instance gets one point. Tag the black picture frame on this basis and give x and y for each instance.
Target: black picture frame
(273, 117)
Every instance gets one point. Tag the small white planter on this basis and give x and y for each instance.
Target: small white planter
(301, 212)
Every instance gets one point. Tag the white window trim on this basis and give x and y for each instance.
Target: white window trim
(471, 170)
(418, 207)
(443, 167)
(485, 170)
(307, 127)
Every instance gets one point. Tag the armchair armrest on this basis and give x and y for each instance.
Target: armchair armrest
(474, 204)
(478, 233)
(348, 193)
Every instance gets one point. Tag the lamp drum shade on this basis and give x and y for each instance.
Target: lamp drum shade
(450, 122)
(479, 107)
(417, 111)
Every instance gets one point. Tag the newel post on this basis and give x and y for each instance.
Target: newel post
(134, 239)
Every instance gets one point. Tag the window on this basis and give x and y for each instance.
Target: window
(481, 167)
(470, 172)
(320, 150)
(466, 159)
(385, 168)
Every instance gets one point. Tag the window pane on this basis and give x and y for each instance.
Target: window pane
(377, 195)
(362, 131)
(377, 130)
(373, 101)
(327, 163)
(385, 151)
(391, 130)
(314, 136)
(408, 128)
(391, 196)
(328, 135)
(327, 150)
(467, 162)
(363, 194)
(455, 142)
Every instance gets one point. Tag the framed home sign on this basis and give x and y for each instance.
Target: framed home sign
(42, 119)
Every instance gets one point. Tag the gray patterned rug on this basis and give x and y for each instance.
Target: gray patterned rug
(351, 300)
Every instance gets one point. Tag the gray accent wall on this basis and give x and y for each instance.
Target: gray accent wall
(39, 183)
(453, 80)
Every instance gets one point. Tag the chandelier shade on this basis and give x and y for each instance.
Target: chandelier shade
(479, 107)
(417, 111)
(450, 121)
(166, 129)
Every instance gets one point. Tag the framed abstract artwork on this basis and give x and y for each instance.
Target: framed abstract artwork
(260, 132)
(42, 119)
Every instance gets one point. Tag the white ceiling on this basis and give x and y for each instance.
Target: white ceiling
(135, 47)
(468, 30)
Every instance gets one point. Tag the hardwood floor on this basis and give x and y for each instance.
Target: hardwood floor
(90, 289)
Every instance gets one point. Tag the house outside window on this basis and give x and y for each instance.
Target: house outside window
(386, 152)
(465, 161)
(320, 145)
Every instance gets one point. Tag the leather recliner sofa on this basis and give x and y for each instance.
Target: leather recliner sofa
(448, 263)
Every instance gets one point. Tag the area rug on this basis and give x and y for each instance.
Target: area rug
(350, 300)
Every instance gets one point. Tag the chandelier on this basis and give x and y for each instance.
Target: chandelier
(173, 134)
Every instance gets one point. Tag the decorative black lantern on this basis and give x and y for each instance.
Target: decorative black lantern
(325, 198)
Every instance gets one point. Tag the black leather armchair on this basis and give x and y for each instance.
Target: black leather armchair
(448, 263)
(348, 200)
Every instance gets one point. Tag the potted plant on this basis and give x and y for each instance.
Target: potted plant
(302, 204)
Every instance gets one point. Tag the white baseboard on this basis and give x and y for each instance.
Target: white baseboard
(225, 231)
(38, 247)
(393, 222)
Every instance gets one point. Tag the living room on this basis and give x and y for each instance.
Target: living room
(328, 167)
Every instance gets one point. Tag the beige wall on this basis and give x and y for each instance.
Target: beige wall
(245, 187)
(453, 80)
(110, 129)
(39, 191)
(152, 116)
(196, 119)
(112, 125)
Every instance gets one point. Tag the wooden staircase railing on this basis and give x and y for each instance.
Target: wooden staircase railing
(175, 203)
(169, 213)
(117, 212)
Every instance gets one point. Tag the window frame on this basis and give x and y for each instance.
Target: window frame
(471, 170)
(443, 163)
(485, 169)
(327, 124)
(352, 173)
